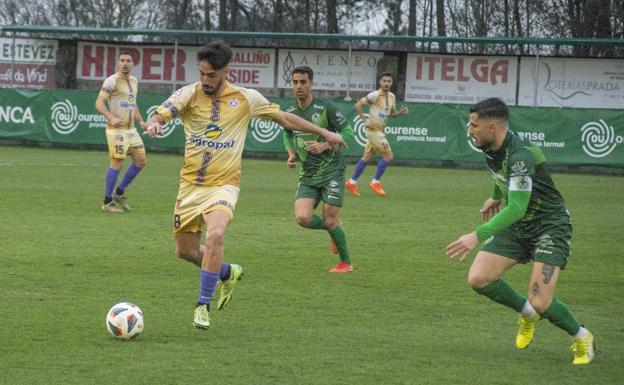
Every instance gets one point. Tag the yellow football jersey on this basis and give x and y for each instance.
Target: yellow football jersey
(121, 94)
(215, 130)
(380, 104)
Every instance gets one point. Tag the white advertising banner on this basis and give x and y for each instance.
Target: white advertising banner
(460, 79)
(250, 67)
(578, 83)
(29, 64)
(331, 68)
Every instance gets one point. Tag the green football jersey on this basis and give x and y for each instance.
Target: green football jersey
(318, 168)
(520, 166)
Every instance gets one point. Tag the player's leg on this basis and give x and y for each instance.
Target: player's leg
(306, 199)
(383, 147)
(137, 152)
(485, 278)
(552, 251)
(116, 154)
(216, 222)
(338, 236)
(333, 197)
(188, 247)
(509, 244)
(351, 184)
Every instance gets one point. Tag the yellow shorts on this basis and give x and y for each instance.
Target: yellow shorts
(377, 142)
(193, 201)
(121, 141)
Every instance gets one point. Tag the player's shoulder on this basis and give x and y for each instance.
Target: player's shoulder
(523, 153)
(372, 96)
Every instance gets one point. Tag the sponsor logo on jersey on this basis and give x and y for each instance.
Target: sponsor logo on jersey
(518, 168)
(234, 103)
(198, 141)
(213, 131)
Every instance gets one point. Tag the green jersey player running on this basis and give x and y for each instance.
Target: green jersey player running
(534, 225)
(322, 171)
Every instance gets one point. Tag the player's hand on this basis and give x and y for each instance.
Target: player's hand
(335, 140)
(367, 123)
(115, 122)
(292, 161)
(403, 110)
(490, 208)
(154, 129)
(315, 147)
(463, 246)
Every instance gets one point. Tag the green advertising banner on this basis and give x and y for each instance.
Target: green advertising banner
(430, 132)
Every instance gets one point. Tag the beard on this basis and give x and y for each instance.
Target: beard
(210, 91)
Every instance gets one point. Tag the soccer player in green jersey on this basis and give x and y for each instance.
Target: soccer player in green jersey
(534, 225)
(322, 171)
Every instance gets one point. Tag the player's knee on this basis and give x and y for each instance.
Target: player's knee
(478, 280)
(183, 253)
(388, 157)
(215, 235)
(331, 222)
(303, 220)
(540, 303)
(141, 163)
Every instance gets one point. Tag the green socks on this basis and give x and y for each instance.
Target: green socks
(340, 239)
(499, 291)
(337, 235)
(559, 315)
(317, 223)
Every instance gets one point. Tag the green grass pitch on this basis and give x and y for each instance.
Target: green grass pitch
(405, 316)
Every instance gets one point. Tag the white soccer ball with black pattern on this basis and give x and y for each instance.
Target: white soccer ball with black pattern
(124, 321)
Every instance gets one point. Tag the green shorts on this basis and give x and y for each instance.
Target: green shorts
(550, 245)
(331, 191)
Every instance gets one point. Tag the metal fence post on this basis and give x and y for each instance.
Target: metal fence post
(348, 97)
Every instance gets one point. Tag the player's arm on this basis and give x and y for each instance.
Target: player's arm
(139, 118)
(338, 123)
(491, 206)
(518, 201)
(517, 204)
(359, 108)
(100, 105)
(518, 197)
(289, 144)
(154, 125)
(403, 111)
(294, 122)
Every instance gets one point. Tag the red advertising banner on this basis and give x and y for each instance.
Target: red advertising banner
(250, 67)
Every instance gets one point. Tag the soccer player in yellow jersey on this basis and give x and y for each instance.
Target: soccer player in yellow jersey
(381, 104)
(216, 115)
(120, 92)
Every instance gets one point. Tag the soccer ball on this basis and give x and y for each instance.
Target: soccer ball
(125, 321)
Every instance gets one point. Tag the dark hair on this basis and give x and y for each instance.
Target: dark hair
(387, 73)
(491, 108)
(218, 54)
(304, 70)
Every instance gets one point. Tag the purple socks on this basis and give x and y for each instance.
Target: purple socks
(381, 167)
(359, 169)
(111, 179)
(207, 283)
(130, 174)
